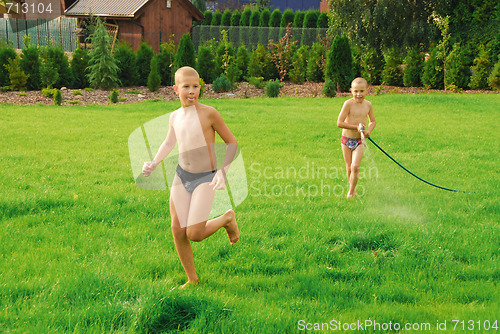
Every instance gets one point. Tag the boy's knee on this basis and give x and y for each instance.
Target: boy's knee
(355, 168)
(178, 232)
(194, 235)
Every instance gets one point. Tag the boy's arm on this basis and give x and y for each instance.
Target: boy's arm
(372, 123)
(341, 123)
(219, 181)
(165, 148)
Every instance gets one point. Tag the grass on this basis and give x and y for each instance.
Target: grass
(84, 250)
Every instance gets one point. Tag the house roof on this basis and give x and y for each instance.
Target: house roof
(119, 8)
(114, 8)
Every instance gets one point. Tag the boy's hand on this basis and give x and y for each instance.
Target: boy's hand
(361, 127)
(148, 168)
(366, 133)
(219, 182)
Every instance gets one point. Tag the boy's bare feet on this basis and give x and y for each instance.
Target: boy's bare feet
(232, 227)
(189, 283)
(352, 195)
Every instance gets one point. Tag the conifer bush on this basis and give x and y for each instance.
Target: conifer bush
(78, 66)
(102, 66)
(310, 23)
(113, 97)
(226, 18)
(286, 19)
(457, 67)
(274, 24)
(261, 65)
(215, 26)
(57, 97)
(234, 30)
(185, 55)
(329, 89)
(392, 74)
(244, 24)
(17, 77)
(48, 69)
(298, 22)
(273, 88)
(30, 64)
(316, 63)
(339, 63)
(166, 62)
(263, 34)
(494, 78)
(242, 60)
(221, 84)
(413, 66)
(7, 53)
(299, 65)
(206, 64)
(143, 63)
(433, 75)
(154, 79)
(372, 64)
(481, 70)
(127, 65)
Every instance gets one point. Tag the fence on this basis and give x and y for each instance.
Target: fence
(251, 36)
(59, 31)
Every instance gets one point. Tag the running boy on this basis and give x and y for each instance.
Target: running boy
(352, 120)
(193, 127)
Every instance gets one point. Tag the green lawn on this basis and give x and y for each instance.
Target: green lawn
(84, 250)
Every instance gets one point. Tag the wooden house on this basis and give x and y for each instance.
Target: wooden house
(154, 21)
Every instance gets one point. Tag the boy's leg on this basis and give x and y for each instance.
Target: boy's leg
(347, 153)
(198, 226)
(179, 210)
(357, 155)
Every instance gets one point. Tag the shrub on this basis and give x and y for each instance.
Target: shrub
(166, 62)
(143, 63)
(392, 74)
(57, 97)
(127, 65)
(263, 30)
(494, 78)
(480, 70)
(49, 92)
(316, 63)
(226, 18)
(257, 82)
(286, 19)
(17, 77)
(185, 55)
(48, 69)
(59, 61)
(458, 67)
(221, 84)
(298, 22)
(202, 87)
(432, 75)
(273, 88)
(261, 64)
(77, 92)
(310, 22)
(299, 65)
(245, 22)
(30, 64)
(339, 64)
(216, 18)
(154, 79)
(372, 63)
(281, 54)
(207, 18)
(206, 64)
(274, 23)
(242, 60)
(413, 66)
(113, 97)
(329, 89)
(102, 66)
(7, 52)
(78, 67)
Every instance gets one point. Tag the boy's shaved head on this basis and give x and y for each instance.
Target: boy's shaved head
(359, 81)
(185, 71)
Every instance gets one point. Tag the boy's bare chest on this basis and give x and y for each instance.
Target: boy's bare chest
(191, 129)
(358, 111)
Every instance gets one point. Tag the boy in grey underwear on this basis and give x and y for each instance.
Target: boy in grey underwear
(352, 120)
(193, 127)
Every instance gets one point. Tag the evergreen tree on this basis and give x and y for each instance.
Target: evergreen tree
(143, 63)
(242, 60)
(372, 64)
(299, 65)
(244, 25)
(206, 64)
(79, 64)
(298, 23)
(234, 31)
(264, 18)
(413, 66)
(17, 77)
(494, 78)
(127, 65)
(433, 71)
(7, 53)
(226, 18)
(310, 24)
(185, 55)
(205, 26)
(286, 18)
(339, 64)
(261, 65)
(48, 69)
(274, 23)
(30, 64)
(154, 79)
(323, 24)
(208, 18)
(481, 70)
(457, 68)
(392, 74)
(215, 26)
(166, 62)
(200, 4)
(316, 63)
(102, 66)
